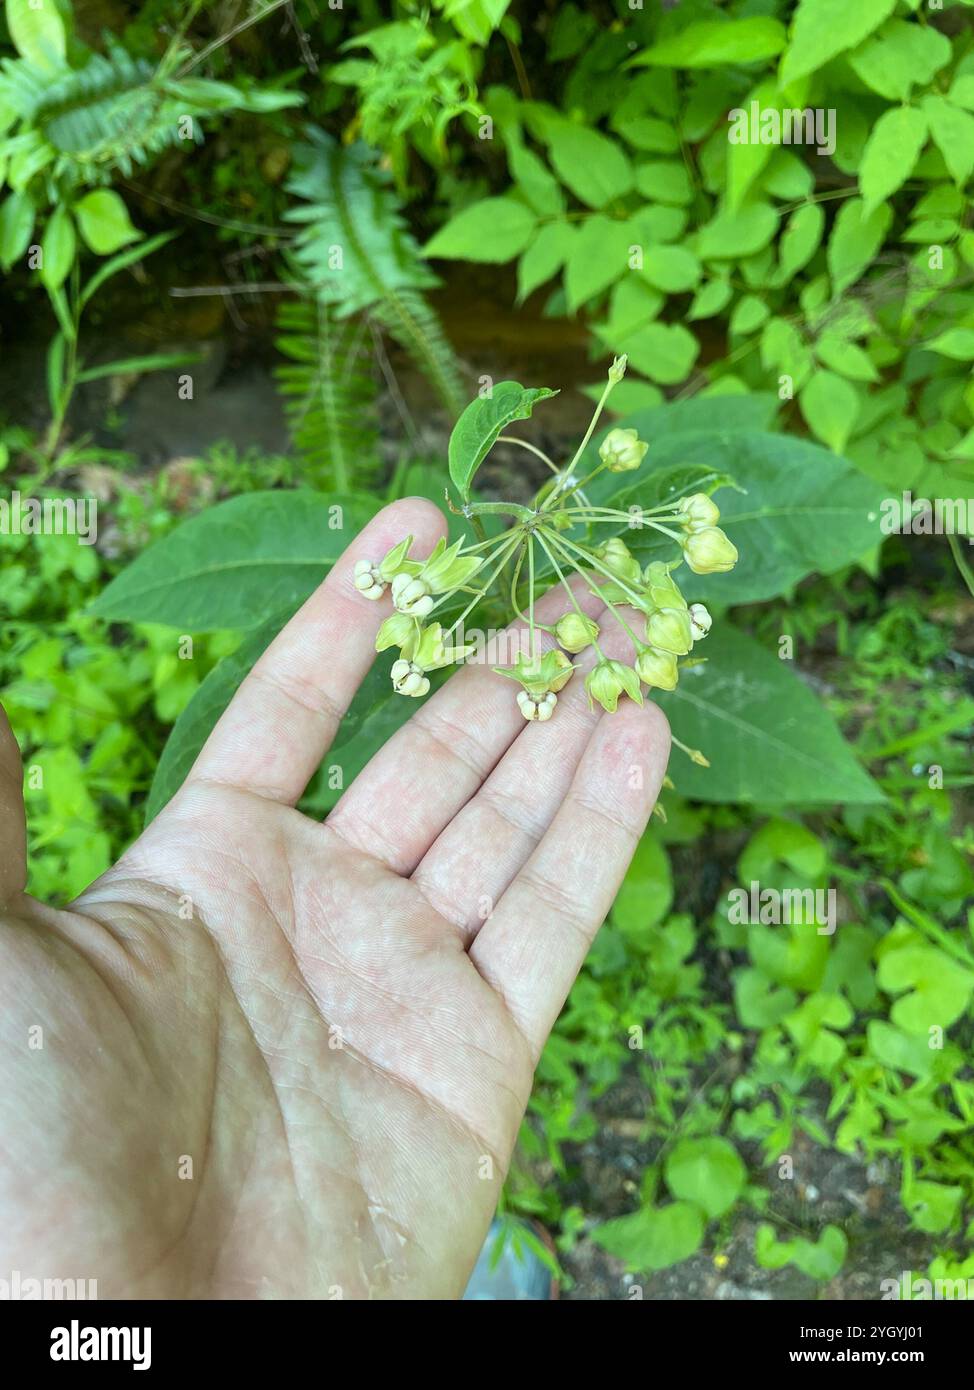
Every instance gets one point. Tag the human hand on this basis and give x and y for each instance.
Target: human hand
(279, 1058)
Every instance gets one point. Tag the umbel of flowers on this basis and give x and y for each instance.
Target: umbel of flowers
(646, 601)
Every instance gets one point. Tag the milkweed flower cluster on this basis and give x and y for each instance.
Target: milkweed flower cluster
(558, 533)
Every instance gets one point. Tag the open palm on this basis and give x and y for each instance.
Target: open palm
(267, 1057)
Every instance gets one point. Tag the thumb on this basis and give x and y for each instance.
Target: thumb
(13, 825)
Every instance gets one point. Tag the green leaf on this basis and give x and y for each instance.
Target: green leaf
(103, 222)
(749, 315)
(476, 431)
(712, 42)
(599, 257)
(743, 232)
(830, 405)
(900, 57)
(800, 240)
(122, 261)
(845, 358)
(707, 1172)
(546, 255)
(952, 131)
(233, 564)
(665, 352)
(672, 269)
(492, 230)
(711, 299)
(820, 1260)
(16, 225)
(653, 1238)
(768, 738)
(664, 181)
(823, 28)
(647, 134)
(939, 989)
(58, 246)
(801, 510)
(152, 362)
(38, 33)
(646, 894)
(891, 151)
(855, 240)
(588, 163)
(537, 183)
(957, 343)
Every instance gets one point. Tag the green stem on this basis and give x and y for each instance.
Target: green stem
(595, 563)
(636, 641)
(480, 592)
(567, 587)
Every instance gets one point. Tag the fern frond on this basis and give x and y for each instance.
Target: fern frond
(416, 327)
(357, 254)
(329, 393)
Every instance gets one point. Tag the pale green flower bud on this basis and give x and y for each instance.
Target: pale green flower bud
(657, 668)
(700, 621)
(663, 589)
(575, 632)
(709, 551)
(367, 578)
(539, 707)
(412, 595)
(610, 679)
(618, 369)
(622, 450)
(669, 628)
(615, 556)
(408, 679)
(698, 511)
(551, 672)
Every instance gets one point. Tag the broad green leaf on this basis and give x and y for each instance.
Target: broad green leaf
(800, 240)
(103, 222)
(664, 181)
(712, 42)
(784, 349)
(16, 225)
(823, 28)
(536, 181)
(821, 1259)
(749, 314)
(939, 989)
(747, 158)
(899, 57)
(673, 269)
(37, 31)
(648, 134)
(768, 738)
(740, 233)
(653, 1238)
(845, 358)
(646, 894)
(707, 1172)
(588, 163)
(633, 304)
(952, 131)
(599, 257)
(801, 510)
(711, 299)
(957, 343)
(856, 238)
(476, 431)
(830, 405)
(58, 246)
(492, 230)
(665, 352)
(546, 255)
(232, 565)
(891, 151)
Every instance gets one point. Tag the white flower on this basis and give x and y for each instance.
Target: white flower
(408, 678)
(411, 595)
(540, 708)
(368, 579)
(700, 621)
